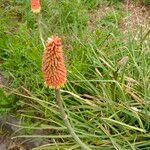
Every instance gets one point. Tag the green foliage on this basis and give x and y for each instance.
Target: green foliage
(114, 2)
(72, 15)
(91, 4)
(7, 102)
(147, 2)
(107, 92)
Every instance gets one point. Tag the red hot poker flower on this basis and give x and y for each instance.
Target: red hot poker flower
(53, 67)
(35, 6)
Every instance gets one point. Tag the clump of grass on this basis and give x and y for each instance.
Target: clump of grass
(106, 98)
(147, 2)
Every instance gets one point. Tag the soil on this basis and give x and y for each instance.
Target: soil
(8, 131)
(96, 15)
(138, 16)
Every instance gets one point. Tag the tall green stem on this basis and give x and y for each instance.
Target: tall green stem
(40, 28)
(66, 121)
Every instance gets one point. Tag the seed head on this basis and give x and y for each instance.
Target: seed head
(53, 67)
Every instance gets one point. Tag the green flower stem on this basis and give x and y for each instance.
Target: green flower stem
(39, 16)
(66, 121)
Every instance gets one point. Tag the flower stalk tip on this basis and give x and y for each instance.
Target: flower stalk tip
(35, 6)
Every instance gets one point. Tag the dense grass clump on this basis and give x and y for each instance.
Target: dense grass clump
(107, 93)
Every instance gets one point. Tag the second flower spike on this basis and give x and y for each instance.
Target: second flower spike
(35, 6)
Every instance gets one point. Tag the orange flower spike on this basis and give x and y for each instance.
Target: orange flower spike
(53, 67)
(35, 6)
